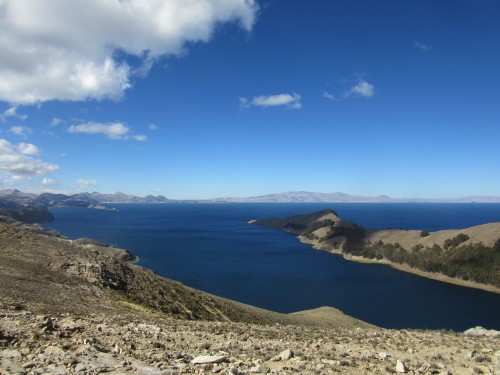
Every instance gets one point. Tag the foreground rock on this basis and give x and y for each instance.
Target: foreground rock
(129, 342)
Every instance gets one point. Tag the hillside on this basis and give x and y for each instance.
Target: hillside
(469, 257)
(80, 307)
(32, 260)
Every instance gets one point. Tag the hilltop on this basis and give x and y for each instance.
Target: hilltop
(469, 257)
(82, 307)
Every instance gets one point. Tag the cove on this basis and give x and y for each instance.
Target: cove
(212, 248)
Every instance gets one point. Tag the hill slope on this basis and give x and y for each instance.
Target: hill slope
(81, 274)
(469, 257)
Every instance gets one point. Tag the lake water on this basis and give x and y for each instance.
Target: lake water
(212, 248)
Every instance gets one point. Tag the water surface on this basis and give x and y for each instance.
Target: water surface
(212, 248)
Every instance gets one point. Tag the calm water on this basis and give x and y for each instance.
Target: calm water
(210, 247)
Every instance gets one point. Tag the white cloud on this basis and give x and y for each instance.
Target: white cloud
(20, 178)
(329, 96)
(113, 131)
(67, 50)
(12, 112)
(86, 184)
(56, 121)
(292, 100)
(421, 46)
(14, 160)
(153, 127)
(48, 182)
(22, 131)
(28, 149)
(363, 88)
(140, 137)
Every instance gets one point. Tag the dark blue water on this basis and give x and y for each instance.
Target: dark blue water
(212, 248)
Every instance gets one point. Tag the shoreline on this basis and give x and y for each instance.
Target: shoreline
(405, 268)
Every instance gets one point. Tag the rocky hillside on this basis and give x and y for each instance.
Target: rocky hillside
(80, 307)
(468, 256)
(81, 273)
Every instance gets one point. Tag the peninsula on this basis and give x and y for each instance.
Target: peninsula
(468, 257)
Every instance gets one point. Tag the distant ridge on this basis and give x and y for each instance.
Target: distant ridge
(95, 199)
(312, 197)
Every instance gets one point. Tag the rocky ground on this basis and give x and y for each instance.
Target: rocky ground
(74, 307)
(129, 342)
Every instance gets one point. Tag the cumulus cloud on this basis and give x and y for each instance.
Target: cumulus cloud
(153, 127)
(292, 100)
(86, 184)
(421, 46)
(28, 149)
(17, 162)
(363, 88)
(22, 131)
(76, 50)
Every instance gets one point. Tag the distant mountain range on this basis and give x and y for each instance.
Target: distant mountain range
(17, 202)
(310, 197)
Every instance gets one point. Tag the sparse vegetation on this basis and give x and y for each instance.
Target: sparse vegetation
(455, 241)
(474, 262)
(424, 233)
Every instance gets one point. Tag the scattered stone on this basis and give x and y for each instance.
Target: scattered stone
(424, 368)
(285, 355)
(400, 367)
(383, 355)
(206, 359)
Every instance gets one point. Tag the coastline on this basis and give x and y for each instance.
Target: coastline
(404, 268)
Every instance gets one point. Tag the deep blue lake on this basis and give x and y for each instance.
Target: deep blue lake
(212, 248)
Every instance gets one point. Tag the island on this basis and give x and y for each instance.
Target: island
(468, 257)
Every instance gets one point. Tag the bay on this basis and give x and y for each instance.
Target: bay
(211, 247)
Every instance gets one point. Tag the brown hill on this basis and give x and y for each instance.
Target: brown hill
(469, 257)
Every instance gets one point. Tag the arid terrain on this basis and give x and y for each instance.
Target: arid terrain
(80, 307)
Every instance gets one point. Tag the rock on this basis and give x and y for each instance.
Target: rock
(285, 355)
(8, 353)
(258, 369)
(400, 367)
(80, 367)
(9, 367)
(423, 369)
(206, 359)
(480, 331)
(383, 355)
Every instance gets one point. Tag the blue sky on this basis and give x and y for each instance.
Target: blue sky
(217, 98)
